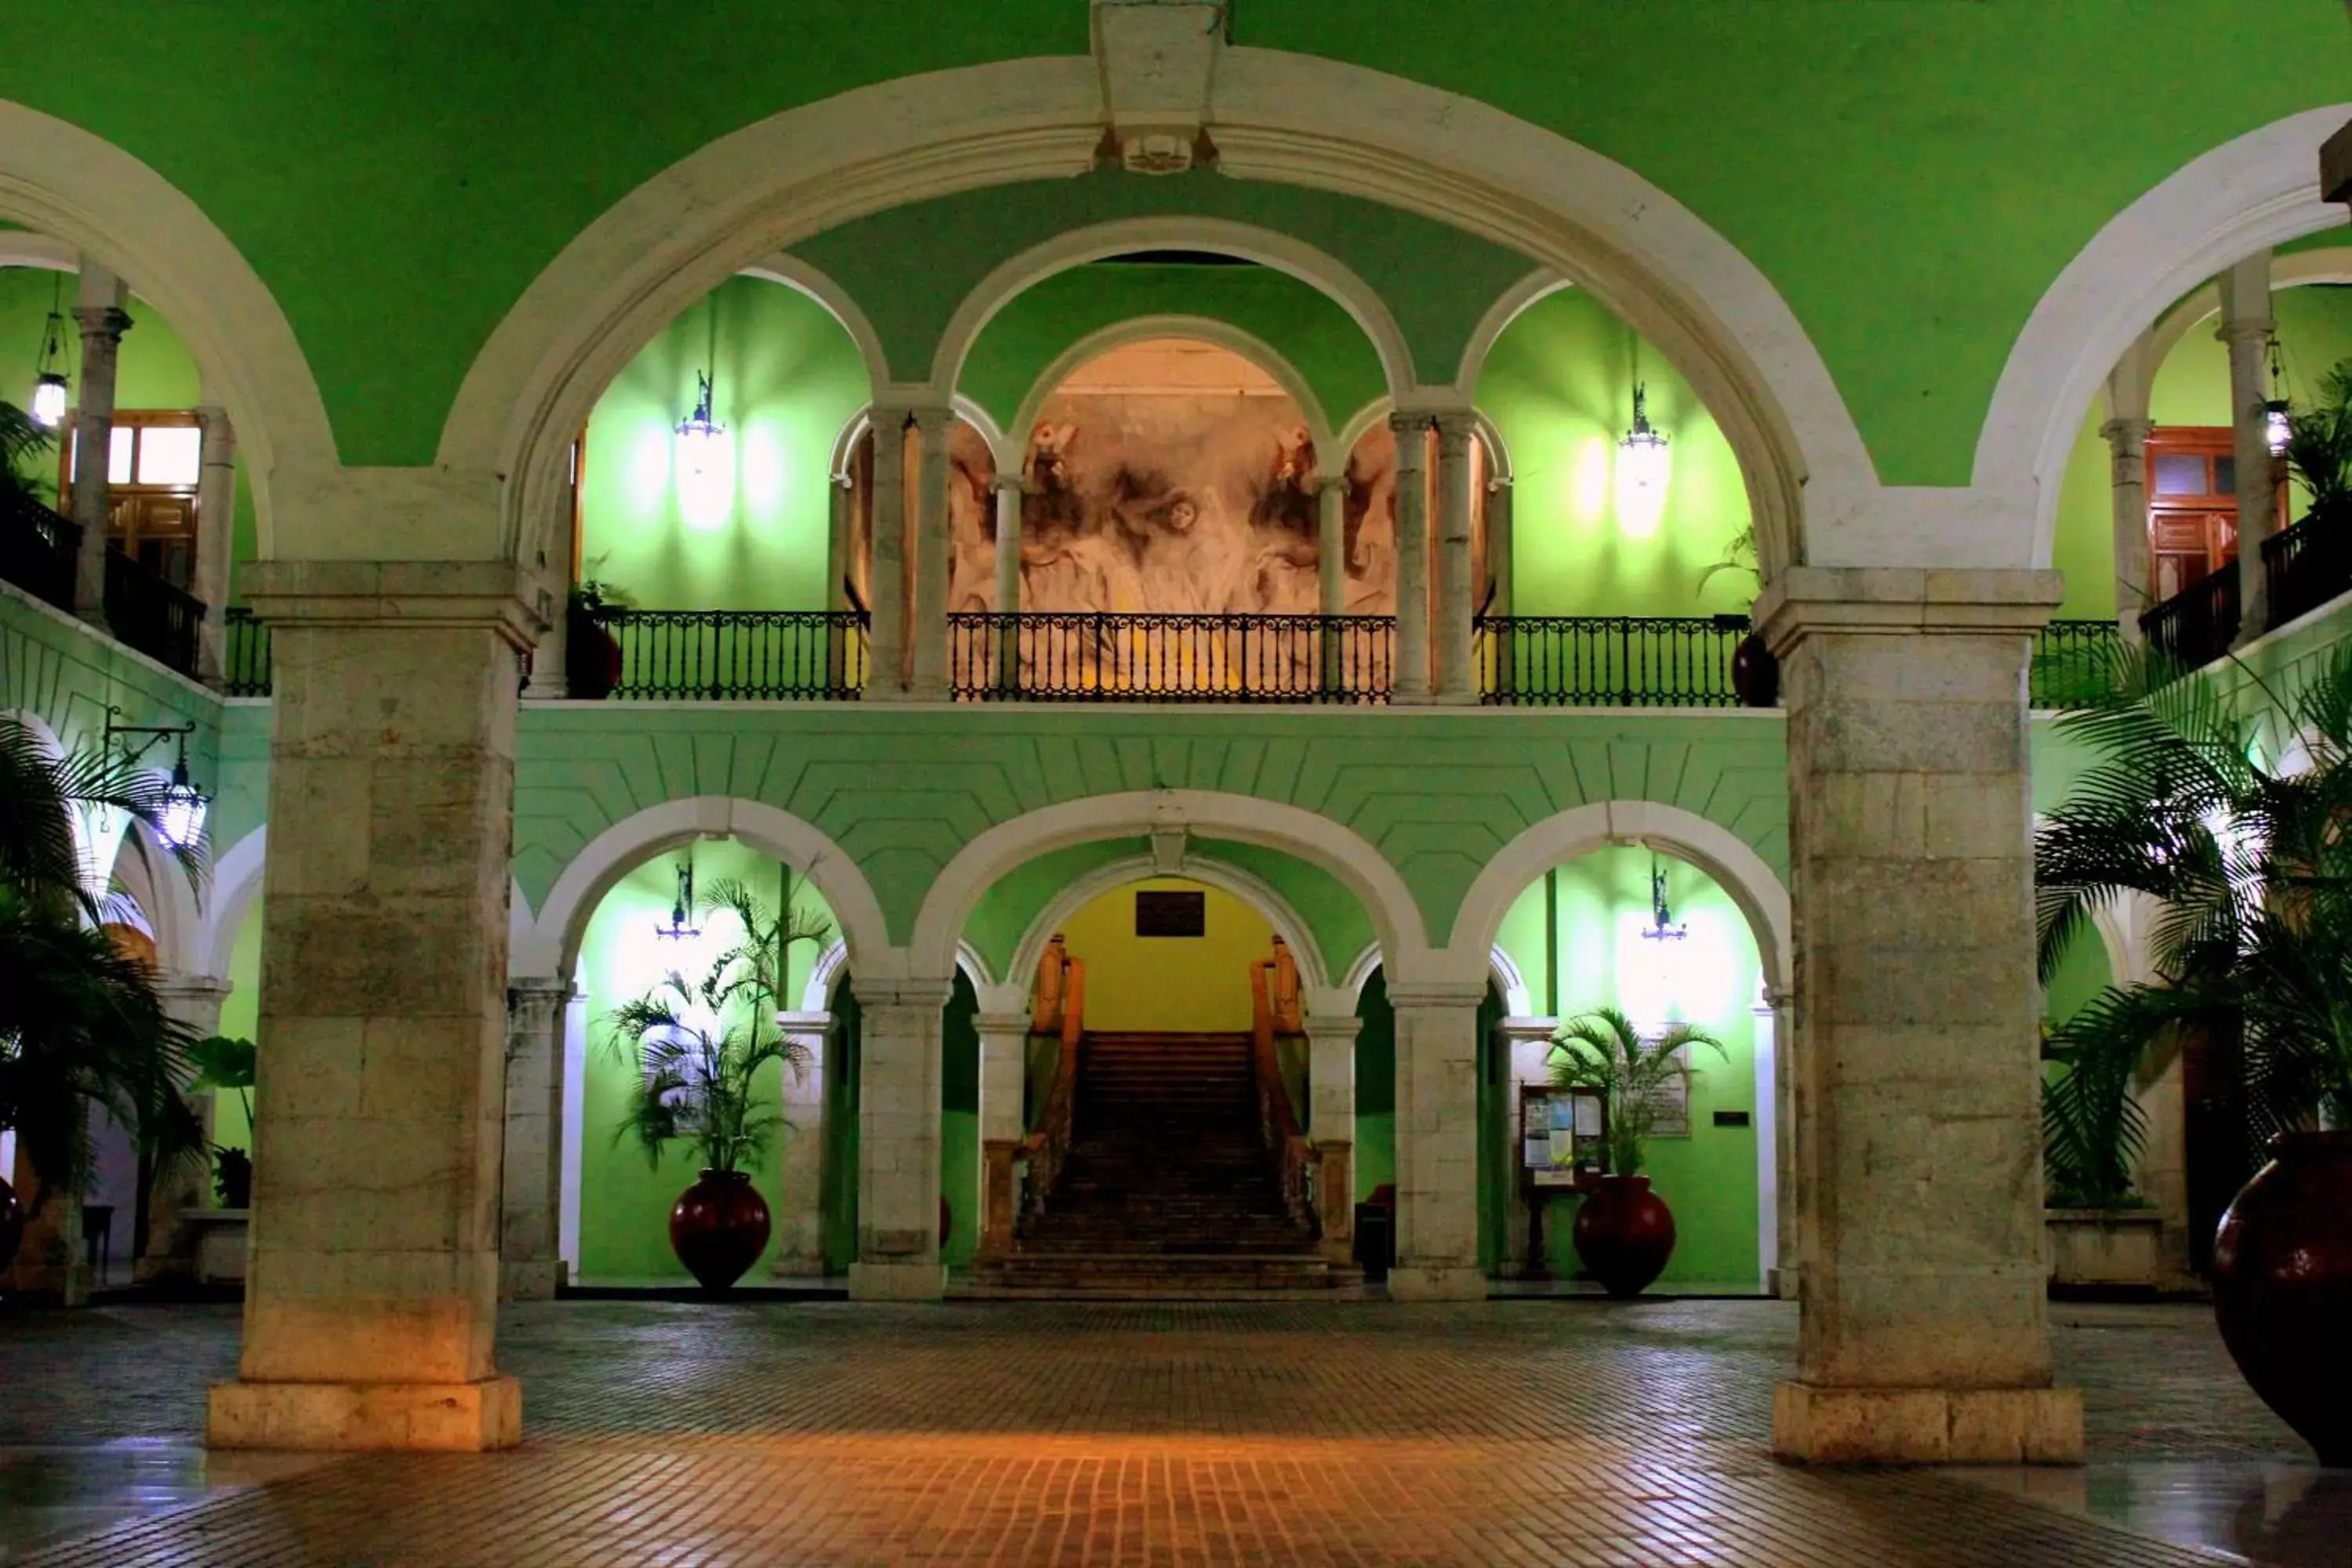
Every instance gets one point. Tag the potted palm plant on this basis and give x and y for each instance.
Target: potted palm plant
(2103, 1235)
(591, 654)
(700, 1047)
(2252, 868)
(1755, 673)
(1624, 1233)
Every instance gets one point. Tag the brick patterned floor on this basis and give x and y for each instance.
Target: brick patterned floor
(1536, 1433)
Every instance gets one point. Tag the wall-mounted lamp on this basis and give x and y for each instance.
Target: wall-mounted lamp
(682, 908)
(182, 820)
(1662, 927)
(48, 406)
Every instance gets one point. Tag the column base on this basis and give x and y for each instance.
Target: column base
(1427, 1282)
(1781, 1284)
(425, 1417)
(897, 1281)
(530, 1280)
(1816, 1426)
(797, 1265)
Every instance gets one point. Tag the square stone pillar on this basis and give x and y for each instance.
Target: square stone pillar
(371, 1298)
(1003, 1080)
(1918, 1148)
(167, 1251)
(1332, 1121)
(1437, 1143)
(898, 1143)
(531, 1182)
(800, 1185)
(1457, 595)
(99, 308)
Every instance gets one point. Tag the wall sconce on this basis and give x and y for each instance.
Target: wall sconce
(182, 820)
(49, 404)
(682, 908)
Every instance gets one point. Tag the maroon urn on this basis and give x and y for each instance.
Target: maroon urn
(1624, 1233)
(2282, 1287)
(12, 1224)
(719, 1227)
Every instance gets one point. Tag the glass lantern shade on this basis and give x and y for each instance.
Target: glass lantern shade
(49, 409)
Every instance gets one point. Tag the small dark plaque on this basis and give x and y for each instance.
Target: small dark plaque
(1171, 912)
(1731, 1119)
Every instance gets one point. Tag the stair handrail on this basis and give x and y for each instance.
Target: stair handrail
(1045, 1148)
(1295, 1155)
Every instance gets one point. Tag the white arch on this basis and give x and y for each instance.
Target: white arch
(165, 894)
(2301, 268)
(1280, 117)
(832, 964)
(552, 946)
(1490, 435)
(236, 883)
(101, 202)
(1737, 869)
(1513, 302)
(21, 247)
(1501, 969)
(2259, 191)
(1396, 919)
(794, 273)
(1202, 328)
(1119, 237)
(968, 409)
(1313, 964)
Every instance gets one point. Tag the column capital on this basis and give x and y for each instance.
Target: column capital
(1002, 1022)
(1014, 484)
(910, 993)
(1904, 601)
(2133, 433)
(1331, 484)
(420, 594)
(1400, 426)
(2246, 328)
(931, 419)
(1456, 427)
(1337, 1027)
(109, 321)
(1436, 994)
(819, 1022)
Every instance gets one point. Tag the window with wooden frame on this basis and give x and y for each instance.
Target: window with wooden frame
(2192, 506)
(154, 460)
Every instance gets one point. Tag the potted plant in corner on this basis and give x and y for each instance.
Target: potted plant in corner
(2102, 1236)
(2254, 867)
(591, 654)
(1624, 1233)
(1755, 673)
(699, 1048)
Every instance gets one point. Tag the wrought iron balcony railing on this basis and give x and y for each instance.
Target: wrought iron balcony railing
(2197, 625)
(717, 654)
(2071, 660)
(2304, 566)
(244, 654)
(1610, 662)
(1113, 657)
(149, 614)
(37, 552)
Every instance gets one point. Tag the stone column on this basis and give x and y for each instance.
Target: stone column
(168, 1249)
(215, 531)
(886, 653)
(1437, 1143)
(99, 308)
(531, 1179)
(2246, 328)
(1332, 575)
(1412, 560)
(1009, 488)
(929, 604)
(898, 1144)
(2127, 482)
(1456, 594)
(800, 1185)
(1918, 1153)
(1331, 1123)
(371, 1301)
(1003, 1077)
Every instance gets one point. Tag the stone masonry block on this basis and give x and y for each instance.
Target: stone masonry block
(461, 1418)
(1823, 1426)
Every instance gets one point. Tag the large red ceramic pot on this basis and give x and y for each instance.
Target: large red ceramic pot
(1624, 1233)
(1755, 673)
(719, 1227)
(11, 1225)
(2282, 1287)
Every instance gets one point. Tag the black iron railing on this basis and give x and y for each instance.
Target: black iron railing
(1113, 657)
(722, 655)
(2196, 626)
(2304, 566)
(148, 613)
(244, 654)
(2073, 660)
(1610, 662)
(37, 552)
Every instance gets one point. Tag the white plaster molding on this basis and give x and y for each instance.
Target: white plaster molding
(832, 965)
(1135, 813)
(1077, 246)
(1275, 115)
(1737, 869)
(21, 247)
(1006, 456)
(1376, 413)
(2134, 379)
(794, 273)
(1200, 329)
(2253, 194)
(98, 200)
(1540, 284)
(1157, 58)
(1502, 971)
(236, 883)
(552, 944)
(1260, 896)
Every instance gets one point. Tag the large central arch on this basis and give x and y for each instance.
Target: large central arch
(1275, 115)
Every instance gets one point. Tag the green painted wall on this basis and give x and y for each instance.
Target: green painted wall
(1183, 985)
(240, 1019)
(1299, 322)
(1375, 1152)
(788, 379)
(1560, 388)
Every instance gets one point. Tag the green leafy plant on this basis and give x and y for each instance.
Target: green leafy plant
(2249, 865)
(594, 593)
(699, 1046)
(2319, 447)
(1740, 558)
(1603, 1052)
(226, 1062)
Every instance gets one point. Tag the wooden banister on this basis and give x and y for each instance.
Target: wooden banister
(1044, 1149)
(1295, 1157)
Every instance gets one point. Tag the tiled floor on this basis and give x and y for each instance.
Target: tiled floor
(1535, 1432)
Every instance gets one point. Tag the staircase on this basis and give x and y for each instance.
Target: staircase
(1167, 1186)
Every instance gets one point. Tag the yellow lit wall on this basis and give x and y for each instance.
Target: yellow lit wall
(1187, 984)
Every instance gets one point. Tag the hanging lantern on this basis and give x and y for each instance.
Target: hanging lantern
(184, 806)
(1643, 452)
(1662, 927)
(49, 404)
(2278, 422)
(699, 434)
(682, 908)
